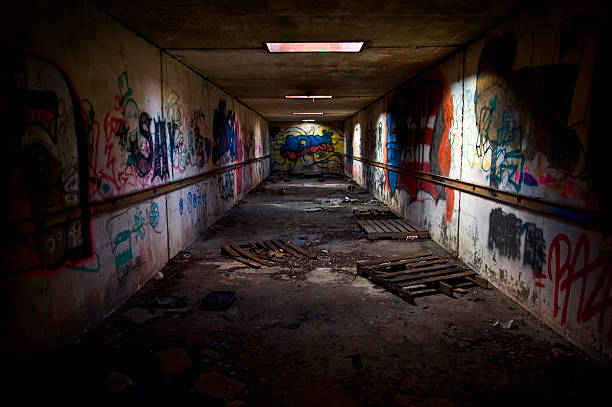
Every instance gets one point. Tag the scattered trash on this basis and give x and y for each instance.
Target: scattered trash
(351, 188)
(504, 325)
(325, 251)
(138, 315)
(219, 386)
(347, 199)
(356, 361)
(159, 275)
(175, 360)
(281, 192)
(411, 237)
(218, 300)
(489, 321)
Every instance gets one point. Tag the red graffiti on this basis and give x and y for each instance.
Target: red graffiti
(591, 280)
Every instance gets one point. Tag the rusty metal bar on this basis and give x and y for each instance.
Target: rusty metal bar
(548, 208)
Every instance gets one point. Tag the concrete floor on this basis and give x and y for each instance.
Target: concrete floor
(312, 332)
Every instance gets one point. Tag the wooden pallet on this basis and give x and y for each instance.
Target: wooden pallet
(265, 253)
(380, 224)
(418, 275)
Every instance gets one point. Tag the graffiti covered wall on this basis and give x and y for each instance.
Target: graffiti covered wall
(307, 148)
(92, 122)
(517, 112)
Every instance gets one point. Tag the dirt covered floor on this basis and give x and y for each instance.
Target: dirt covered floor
(310, 331)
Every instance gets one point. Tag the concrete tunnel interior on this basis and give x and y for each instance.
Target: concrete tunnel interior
(193, 218)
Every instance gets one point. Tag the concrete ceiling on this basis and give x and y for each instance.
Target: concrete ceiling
(223, 40)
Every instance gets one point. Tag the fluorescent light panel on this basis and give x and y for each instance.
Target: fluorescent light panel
(307, 113)
(314, 46)
(308, 97)
(308, 120)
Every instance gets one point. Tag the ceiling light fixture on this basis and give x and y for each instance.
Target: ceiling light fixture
(308, 120)
(354, 46)
(307, 113)
(308, 97)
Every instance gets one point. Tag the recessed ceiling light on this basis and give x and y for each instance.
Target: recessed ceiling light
(314, 46)
(307, 113)
(308, 97)
(308, 120)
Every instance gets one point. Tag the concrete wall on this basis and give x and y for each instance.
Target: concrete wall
(519, 111)
(307, 148)
(95, 113)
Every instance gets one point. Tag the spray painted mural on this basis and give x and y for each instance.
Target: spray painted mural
(418, 124)
(524, 115)
(531, 120)
(308, 148)
(133, 149)
(49, 225)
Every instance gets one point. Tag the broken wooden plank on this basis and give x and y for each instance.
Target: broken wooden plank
(383, 260)
(227, 250)
(407, 263)
(480, 281)
(299, 249)
(245, 253)
(288, 249)
(406, 295)
(446, 288)
(415, 276)
(443, 277)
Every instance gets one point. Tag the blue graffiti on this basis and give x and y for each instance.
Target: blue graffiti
(394, 151)
(298, 146)
(224, 133)
(181, 206)
(139, 224)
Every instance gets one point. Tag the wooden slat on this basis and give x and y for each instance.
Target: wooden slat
(380, 260)
(365, 226)
(418, 276)
(252, 256)
(408, 263)
(407, 225)
(444, 277)
(229, 251)
(388, 223)
(299, 249)
(446, 288)
(406, 295)
(480, 281)
(270, 245)
(399, 225)
(377, 229)
(409, 270)
(381, 224)
(288, 249)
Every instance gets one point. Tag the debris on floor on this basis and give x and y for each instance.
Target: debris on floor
(265, 253)
(380, 224)
(417, 275)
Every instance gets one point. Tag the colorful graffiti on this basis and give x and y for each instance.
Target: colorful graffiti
(49, 225)
(418, 127)
(225, 135)
(308, 148)
(531, 124)
(580, 280)
(127, 232)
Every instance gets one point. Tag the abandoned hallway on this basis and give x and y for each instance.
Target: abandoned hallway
(306, 203)
(311, 331)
